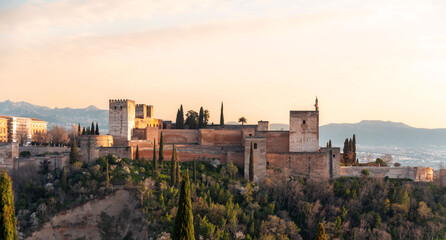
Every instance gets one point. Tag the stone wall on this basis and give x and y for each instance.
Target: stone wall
(121, 118)
(55, 161)
(8, 151)
(121, 152)
(276, 141)
(259, 149)
(304, 131)
(38, 150)
(417, 174)
(180, 136)
(90, 145)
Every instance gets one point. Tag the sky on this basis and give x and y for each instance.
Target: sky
(365, 60)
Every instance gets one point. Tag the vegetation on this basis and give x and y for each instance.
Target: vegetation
(251, 164)
(350, 151)
(180, 118)
(74, 153)
(222, 118)
(184, 221)
(242, 120)
(7, 211)
(161, 151)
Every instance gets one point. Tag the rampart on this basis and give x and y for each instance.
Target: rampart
(417, 174)
(39, 150)
(90, 145)
(8, 151)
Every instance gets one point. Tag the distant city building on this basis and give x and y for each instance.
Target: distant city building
(20, 129)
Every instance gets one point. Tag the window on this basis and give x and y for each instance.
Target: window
(255, 145)
(267, 164)
(334, 155)
(250, 135)
(304, 122)
(115, 108)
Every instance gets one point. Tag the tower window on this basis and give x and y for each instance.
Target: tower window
(250, 135)
(304, 122)
(334, 155)
(267, 163)
(115, 108)
(255, 145)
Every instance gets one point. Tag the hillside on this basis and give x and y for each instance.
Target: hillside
(56, 116)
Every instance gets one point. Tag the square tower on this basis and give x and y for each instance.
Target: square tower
(121, 118)
(304, 131)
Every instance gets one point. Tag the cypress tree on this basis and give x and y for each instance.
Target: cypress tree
(251, 164)
(83, 131)
(181, 119)
(329, 143)
(64, 179)
(177, 170)
(194, 171)
(172, 168)
(137, 152)
(183, 228)
(201, 118)
(88, 131)
(92, 128)
(222, 118)
(177, 122)
(79, 129)
(107, 176)
(154, 161)
(161, 151)
(7, 211)
(320, 232)
(74, 154)
(97, 129)
(354, 148)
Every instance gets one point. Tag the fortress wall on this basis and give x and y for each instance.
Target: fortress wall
(180, 136)
(207, 137)
(304, 131)
(312, 164)
(276, 141)
(237, 158)
(121, 152)
(37, 150)
(418, 174)
(90, 145)
(8, 151)
(228, 137)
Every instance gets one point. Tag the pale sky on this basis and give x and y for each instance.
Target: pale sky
(365, 60)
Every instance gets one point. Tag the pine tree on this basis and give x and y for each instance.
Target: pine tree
(320, 233)
(173, 168)
(183, 228)
(97, 129)
(137, 153)
(7, 211)
(74, 154)
(161, 151)
(194, 171)
(251, 164)
(64, 179)
(154, 161)
(201, 118)
(222, 118)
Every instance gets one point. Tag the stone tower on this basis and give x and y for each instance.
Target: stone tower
(304, 131)
(121, 118)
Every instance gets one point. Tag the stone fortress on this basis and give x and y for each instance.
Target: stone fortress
(277, 153)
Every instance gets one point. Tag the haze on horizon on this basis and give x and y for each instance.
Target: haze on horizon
(383, 60)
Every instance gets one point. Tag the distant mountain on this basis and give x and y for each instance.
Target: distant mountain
(57, 116)
(383, 134)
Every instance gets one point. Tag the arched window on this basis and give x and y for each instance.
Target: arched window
(255, 145)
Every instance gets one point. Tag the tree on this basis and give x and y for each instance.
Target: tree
(161, 151)
(251, 164)
(40, 137)
(84, 131)
(107, 176)
(173, 161)
(231, 169)
(97, 129)
(206, 116)
(88, 131)
(320, 232)
(222, 118)
(74, 154)
(201, 118)
(79, 129)
(192, 119)
(242, 120)
(7, 210)
(44, 167)
(177, 122)
(58, 135)
(137, 153)
(194, 170)
(183, 228)
(329, 144)
(92, 129)
(154, 161)
(64, 179)
(177, 170)
(354, 148)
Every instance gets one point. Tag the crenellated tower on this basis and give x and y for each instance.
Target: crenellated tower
(121, 118)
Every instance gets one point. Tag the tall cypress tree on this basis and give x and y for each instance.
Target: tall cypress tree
(137, 152)
(79, 129)
(183, 228)
(83, 131)
(194, 171)
(64, 179)
(354, 148)
(222, 118)
(173, 168)
(92, 129)
(88, 131)
(107, 176)
(161, 151)
(177, 122)
(154, 161)
(201, 118)
(251, 164)
(181, 119)
(74, 154)
(320, 232)
(97, 129)
(7, 211)
(329, 144)
(177, 170)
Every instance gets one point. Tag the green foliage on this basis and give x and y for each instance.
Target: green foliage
(201, 118)
(161, 151)
(320, 232)
(92, 131)
(184, 220)
(365, 173)
(97, 129)
(154, 160)
(25, 154)
(194, 171)
(222, 118)
(192, 119)
(7, 210)
(74, 153)
(173, 161)
(64, 179)
(180, 118)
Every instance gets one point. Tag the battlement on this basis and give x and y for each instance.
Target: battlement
(120, 101)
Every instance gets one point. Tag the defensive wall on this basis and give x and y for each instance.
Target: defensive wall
(39, 150)
(417, 174)
(8, 152)
(55, 161)
(91, 144)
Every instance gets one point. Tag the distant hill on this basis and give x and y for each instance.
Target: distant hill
(57, 116)
(383, 134)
